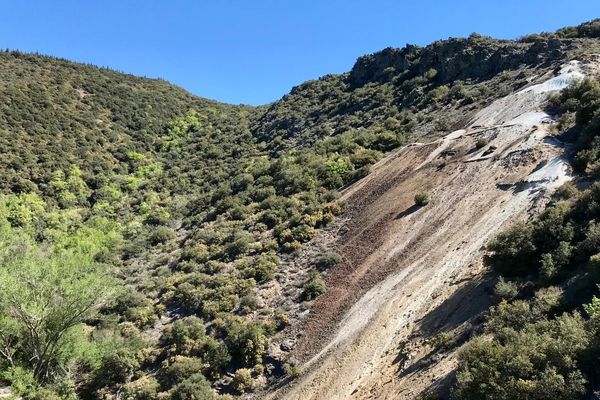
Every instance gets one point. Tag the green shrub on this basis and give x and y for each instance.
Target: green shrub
(161, 234)
(145, 388)
(263, 268)
(506, 289)
(531, 363)
(21, 380)
(242, 380)
(196, 387)
(314, 286)
(430, 74)
(185, 336)
(328, 259)
(442, 341)
(118, 366)
(481, 143)
(513, 252)
(181, 368)
(566, 191)
(422, 199)
(246, 342)
(292, 371)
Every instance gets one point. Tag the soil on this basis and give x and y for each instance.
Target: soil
(410, 273)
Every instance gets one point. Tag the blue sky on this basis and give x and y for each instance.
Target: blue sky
(254, 51)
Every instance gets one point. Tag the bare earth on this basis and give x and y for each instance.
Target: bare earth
(410, 272)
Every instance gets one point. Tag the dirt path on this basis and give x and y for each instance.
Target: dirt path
(407, 268)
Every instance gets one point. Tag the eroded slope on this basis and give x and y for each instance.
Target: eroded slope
(405, 265)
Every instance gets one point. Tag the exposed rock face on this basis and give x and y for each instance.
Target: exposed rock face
(454, 59)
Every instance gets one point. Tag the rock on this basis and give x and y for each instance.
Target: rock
(287, 345)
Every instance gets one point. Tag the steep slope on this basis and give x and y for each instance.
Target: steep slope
(409, 271)
(215, 219)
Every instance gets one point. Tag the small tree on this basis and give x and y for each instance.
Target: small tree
(44, 296)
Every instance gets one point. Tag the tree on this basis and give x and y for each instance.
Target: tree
(45, 294)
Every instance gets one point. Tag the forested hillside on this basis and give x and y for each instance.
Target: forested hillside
(146, 234)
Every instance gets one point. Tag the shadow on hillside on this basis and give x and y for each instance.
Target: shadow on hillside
(461, 314)
(408, 211)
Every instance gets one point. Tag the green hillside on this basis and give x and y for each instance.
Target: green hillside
(142, 226)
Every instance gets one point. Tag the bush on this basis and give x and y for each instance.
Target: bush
(513, 252)
(442, 341)
(328, 259)
(314, 286)
(422, 199)
(145, 388)
(532, 363)
(481, 143)
(242, 380)
(181, 368)
(185, 336)
(118, 366)
(566, 191)
(196, 387)
(506, 290)
(21, 380)
(292, 371)
(263, 269)
(246, 342)
(239, 244)
(161, 234)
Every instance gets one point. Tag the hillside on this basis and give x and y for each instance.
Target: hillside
(159, 245)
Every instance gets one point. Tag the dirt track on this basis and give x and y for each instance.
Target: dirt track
(409, 270)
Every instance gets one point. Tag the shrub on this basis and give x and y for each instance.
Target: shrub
(481, 143)
(506, 289)
(422, 199)
(281, 319)
(21, 380)
(185, 336)
(442, 341)
(314, 286)
(239, 244)
(430, 74)
(145, 388)
(216, 356)
(246, 342)
(328, 259)
(292, 371)
(181, 368)
(531, 363)
(513, 252)
(118, 366)
(566, 191)
(242, 380)
(263, 268)
(192, 388)
(161, 234)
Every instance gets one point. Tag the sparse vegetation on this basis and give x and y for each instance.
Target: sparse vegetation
(422, 199)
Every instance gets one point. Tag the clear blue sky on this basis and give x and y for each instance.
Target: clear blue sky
(254, 51)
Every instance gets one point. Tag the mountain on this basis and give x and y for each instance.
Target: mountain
(328, 245)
